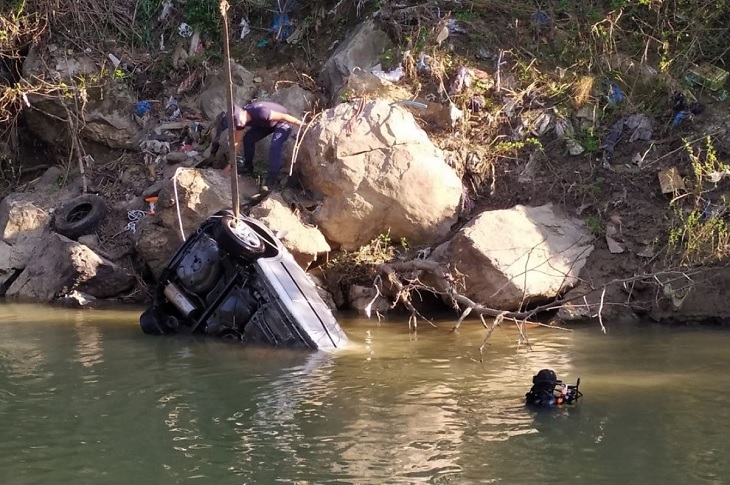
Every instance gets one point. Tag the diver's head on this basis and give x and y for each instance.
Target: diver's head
(545, 375)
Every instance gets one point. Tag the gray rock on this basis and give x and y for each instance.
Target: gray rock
(362, 48)
(200, 194)
(383, 175)
(305, 242)
(213, 100)
(516, 256)
(23, 220)
(60, 266)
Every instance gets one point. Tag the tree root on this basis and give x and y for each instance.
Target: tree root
(406, 277)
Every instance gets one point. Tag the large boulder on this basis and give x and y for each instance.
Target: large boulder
(23, 219)
(305, 242)
(213, 99)
(200, 193)
(378, 172)
(105, 114)
(60, 266)
(361, 49)
(516, 256)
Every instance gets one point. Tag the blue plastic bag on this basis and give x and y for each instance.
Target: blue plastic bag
(282, 25)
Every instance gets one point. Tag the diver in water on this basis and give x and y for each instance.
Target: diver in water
(547, 390)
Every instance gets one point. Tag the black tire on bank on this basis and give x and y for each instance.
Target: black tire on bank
(80, 216)
(243, 242)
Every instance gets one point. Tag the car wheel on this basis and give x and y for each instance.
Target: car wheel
(79, 216)
(239, 239)
(230, 334)
(151, 324)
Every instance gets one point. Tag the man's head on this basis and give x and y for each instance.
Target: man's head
(240, 117)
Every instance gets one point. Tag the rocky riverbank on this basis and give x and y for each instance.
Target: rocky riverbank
(469, 179)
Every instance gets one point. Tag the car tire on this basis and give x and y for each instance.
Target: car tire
(80, 216)
(151, 324)
(245, 244)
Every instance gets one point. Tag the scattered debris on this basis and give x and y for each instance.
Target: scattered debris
(172, 110)
(393, 75)
(245, 28)
(282, 26)
(670, 181)
(707, 75)
(613, 246)
(642, 129)
(455, 114)
(442, 35)
(184, 30)
(542, 19)
(455, 28)
(462, 81)
(422, 65)
(142, 108)
(564, 130)
(615, 94)
(683, 110)
(114, 60)
(165, 12)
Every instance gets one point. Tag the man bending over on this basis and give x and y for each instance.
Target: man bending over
(263, 119)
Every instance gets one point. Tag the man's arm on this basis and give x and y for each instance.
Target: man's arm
(276, 116)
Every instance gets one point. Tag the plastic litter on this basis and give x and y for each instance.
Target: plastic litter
(142, 108)
(462, 81)
(641, 128)
(184, 30)
(683, 110)
(412, 103)
(393, 75)
(542, 123)
(477, 103)
(542, 19)
(564, 130)
(613, 246)
(421, 65)
(707, 75)
(114, 60)
(172, 110)
(454, 27)
(442, 35)
(281, 26)
(670, 181)
(455, 114)
(165, 12)
(134, 216)
(245, 28)
(615, 95)
(484, 54)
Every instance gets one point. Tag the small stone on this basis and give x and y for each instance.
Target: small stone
(258, 79)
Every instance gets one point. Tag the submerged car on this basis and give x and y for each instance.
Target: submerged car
(234, 279)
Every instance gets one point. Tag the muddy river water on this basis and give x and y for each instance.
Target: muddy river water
(85, 397)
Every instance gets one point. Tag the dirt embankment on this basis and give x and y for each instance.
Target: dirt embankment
(543, 102)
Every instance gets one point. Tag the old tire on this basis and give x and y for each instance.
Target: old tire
(80, 216)
(239, 240)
